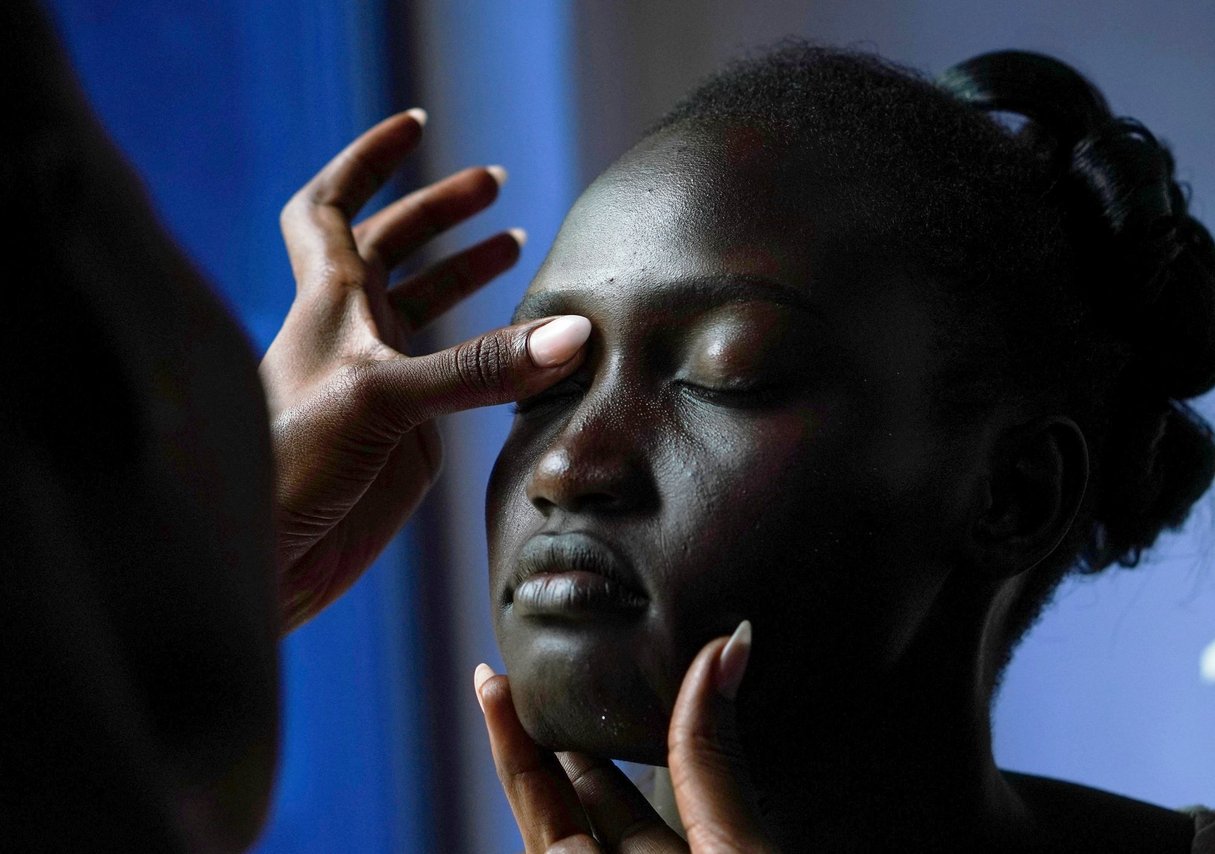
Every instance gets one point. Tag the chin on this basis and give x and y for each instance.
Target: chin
(581, 724)
(570, 698)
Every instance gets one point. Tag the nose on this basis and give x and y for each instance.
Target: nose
(598, 462)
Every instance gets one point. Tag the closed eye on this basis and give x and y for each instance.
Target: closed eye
(734, 395)
(561, 394)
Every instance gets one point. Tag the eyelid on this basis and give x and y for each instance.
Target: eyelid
(739, 395)
(568, 387)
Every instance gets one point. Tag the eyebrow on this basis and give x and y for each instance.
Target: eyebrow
(689, 293)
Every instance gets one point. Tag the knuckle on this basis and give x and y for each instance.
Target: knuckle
(583, 777)
(333, 276)
(481, 364)
(424, 214)
(381, 402)
(683, 735)
(344, 275)
(697, 744)
(360, 391)
(316, 195)
(703, 747)
(523, 779)
(364, 175)
(291, 210)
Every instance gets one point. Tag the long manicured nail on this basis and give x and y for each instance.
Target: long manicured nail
(419, 115)
(520, 236)
(499, 173)
(732, 663)
(480, 676)
(557, 341)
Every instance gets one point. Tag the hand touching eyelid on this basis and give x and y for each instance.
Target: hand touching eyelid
(726, 384)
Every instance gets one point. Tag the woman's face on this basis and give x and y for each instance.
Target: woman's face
(750, 437)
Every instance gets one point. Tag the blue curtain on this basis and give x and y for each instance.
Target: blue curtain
(498, 81)
(225, 108)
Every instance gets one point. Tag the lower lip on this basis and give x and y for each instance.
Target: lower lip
(573, 594)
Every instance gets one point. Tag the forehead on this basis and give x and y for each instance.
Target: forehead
(685, 204)
(691, 219)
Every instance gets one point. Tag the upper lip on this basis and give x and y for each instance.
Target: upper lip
(574, 551)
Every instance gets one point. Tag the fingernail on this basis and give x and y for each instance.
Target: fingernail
(520, 236)
(499, 173)
(419, 115)
(556, 342)
(732, 663)
(480, 676)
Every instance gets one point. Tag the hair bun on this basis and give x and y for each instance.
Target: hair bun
(1150, 265)
(1154, 491)
(1179, 326)
(1124, 178)
(1042, 89)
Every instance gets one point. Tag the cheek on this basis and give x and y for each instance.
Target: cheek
(801, 527)
(506, 504)
(732, 504)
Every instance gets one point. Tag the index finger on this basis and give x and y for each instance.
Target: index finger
(362, 167)
(541, 797)
(316, 221)
(708, 769)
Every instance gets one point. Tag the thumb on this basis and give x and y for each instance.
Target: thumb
(500, 366)
(708, 771)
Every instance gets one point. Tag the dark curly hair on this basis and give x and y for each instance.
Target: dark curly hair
(1056, 236)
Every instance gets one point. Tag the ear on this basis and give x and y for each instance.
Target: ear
(1037, 473)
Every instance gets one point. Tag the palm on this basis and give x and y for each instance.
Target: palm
(353, 462)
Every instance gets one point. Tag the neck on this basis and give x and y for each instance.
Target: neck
(877, 783)
(904, 765)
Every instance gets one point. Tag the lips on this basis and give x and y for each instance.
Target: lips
(573, 576)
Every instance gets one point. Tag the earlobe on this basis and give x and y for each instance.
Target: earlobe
(1037, 477)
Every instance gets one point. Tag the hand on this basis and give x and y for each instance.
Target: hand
(574, 803)
(351, 413)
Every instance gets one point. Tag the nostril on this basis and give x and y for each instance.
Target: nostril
(589, 468)
(573, 503)
(581, 492)
(549, 483)
(545, 506)
(589, 502)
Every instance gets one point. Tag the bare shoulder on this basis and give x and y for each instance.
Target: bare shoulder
(1078, 818)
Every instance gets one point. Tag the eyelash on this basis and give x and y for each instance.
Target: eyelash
(564, 389)
(737, 398)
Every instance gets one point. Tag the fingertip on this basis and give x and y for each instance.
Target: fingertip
(418, 115)
(498, 173)
(481, 675)
(558, 341)
(519, 235)
(732, 661)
